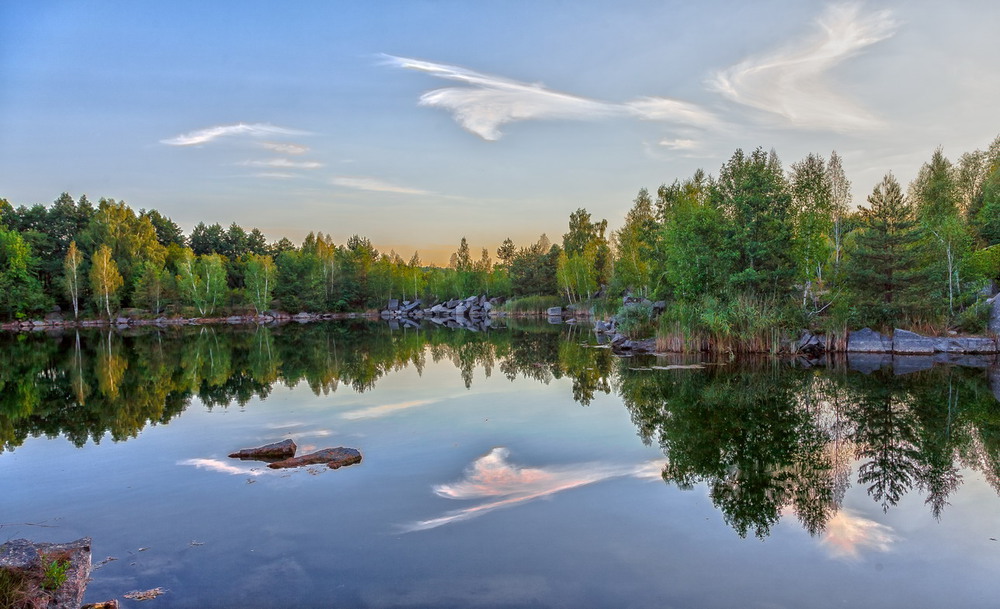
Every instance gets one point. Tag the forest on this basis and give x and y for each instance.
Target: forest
(738, 258)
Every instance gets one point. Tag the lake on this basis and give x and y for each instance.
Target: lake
(515, 466)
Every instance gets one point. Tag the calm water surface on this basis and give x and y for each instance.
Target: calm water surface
(517, 467)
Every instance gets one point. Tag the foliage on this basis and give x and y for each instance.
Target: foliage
(636, 320)
(535, 305)
(54, 572)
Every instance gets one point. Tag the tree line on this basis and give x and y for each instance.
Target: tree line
(736, 257)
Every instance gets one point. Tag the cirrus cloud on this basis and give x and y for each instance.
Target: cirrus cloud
(489, 102)
(792, 82)
(210, 134)
(375, 185)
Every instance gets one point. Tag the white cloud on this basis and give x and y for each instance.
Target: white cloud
(493, 477)
(283, 164)
(679, 144)
(294, 149)
(204, 136)
(792, 82)
(492, 101)
(375, 185)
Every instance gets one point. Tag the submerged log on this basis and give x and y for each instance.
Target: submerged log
(334, 457)
(277, 450)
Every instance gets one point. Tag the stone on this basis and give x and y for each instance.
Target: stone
(554, 311)
(333, 457)
(810, 343)
(112, 604)
(23, 555)
(966, 344)
(911, 343)
(276, 450)
(867, 340)
(393, 304)
(994, 324)
(460, 310)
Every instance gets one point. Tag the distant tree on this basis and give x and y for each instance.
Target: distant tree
(584, 233)
(105, 280)
(152, 285)
(840, 203)
(987, 220)
(207, 239)
(167, 231)
(202, 281)
(812, 222)
(20, 291)
(634, 243)
(690, 260)
(506, 251)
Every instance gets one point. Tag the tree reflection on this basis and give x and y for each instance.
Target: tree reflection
(766, 438)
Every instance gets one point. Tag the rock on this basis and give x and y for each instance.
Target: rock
(911, 343)
(554, 311)
(966, 344)
(867, 340)
(811, 344)
(334, 457)
(460, 310)
(393, 305)
(23, 555)
(112, 604)
(276, 450)
(602, 327)
(994, 324)
(410, 307)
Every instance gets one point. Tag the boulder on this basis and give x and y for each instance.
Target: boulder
(966, 344)
(276, 450)
(23, 555)
(393, 305)
(460, 310)
(811, 344)
(994, 324)
(333, 457)
(554, 311)
(911, 343)
(867, 340)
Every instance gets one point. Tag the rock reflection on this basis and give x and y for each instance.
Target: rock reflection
(492, 476)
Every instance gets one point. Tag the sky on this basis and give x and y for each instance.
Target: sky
(415, 123)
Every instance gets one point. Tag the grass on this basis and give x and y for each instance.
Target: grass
(54, 572)
(19, 590)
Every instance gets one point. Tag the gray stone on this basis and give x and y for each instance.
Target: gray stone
(554, 311)
(867, 340)
(994, 324)
(23, 555)
(911, 343)
(276, 450)
(460, 310)
(393, 305)
(966, 344)
(333, 457)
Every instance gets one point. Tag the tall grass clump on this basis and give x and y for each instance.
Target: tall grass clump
(636, 320)
(741, 324)
(531, 305)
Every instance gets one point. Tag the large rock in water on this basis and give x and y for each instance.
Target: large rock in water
(277, 450)
(25, 556)
(867, 340)
(911, 343)
(334, 457)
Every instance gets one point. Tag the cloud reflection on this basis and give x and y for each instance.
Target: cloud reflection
(848, 535)
(376, 412)
(222, 467)
(492, 476)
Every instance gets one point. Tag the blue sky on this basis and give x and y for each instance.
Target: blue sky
(416, 123)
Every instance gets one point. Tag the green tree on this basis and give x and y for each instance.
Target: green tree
(20, 291)
(752, 194)
(634, 243)
(883, 271)
(584, 233)
(202, 281)
(812, 223)
(105, 280)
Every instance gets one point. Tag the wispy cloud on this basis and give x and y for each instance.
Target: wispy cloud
(493, 477)
(282, 148)
(280, 163)
(679, 144)
(792, 82)
(847, 535)
(488, 102)
(375, 185)
(210, 134)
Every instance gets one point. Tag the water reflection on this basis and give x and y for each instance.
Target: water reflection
(493, 477)
(767, 439)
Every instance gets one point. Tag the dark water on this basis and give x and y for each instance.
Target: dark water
(518, 467)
